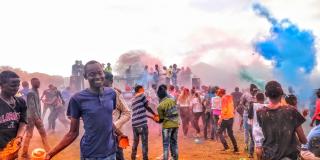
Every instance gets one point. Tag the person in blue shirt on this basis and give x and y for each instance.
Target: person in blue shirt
(207, 113)
(313, 141)
(66, 94)
(25, 90)
(95, 106)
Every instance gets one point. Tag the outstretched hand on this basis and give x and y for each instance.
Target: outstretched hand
(155, 118)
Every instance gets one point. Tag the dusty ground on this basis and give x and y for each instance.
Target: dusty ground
(188, 149)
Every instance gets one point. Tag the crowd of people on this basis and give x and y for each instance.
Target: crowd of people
(156, 75)
(271, 122)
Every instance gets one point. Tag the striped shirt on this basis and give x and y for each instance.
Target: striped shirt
(139, 111)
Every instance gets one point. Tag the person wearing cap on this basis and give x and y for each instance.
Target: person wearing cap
(281, 126)
(122, 114)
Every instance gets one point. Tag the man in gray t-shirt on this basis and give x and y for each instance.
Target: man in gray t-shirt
(34, 118)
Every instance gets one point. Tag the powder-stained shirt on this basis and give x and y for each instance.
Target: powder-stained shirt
(34, 105)
(10, 118)
(256, 129)
(246, 99)
(278, 127)
(236, 98)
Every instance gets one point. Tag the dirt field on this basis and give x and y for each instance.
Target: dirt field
(188, 149)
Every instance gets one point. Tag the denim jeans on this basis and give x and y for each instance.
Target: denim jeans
(119, 153)
(227, 125)
(207, 121)
(170, 139)
(215, 127)
(138, 132)
(110, 157)
(251, 143)
(246, 128)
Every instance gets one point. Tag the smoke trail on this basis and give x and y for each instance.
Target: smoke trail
(291, 49)
(245, 75)
(137, 59)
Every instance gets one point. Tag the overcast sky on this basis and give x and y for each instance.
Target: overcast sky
(48, 36)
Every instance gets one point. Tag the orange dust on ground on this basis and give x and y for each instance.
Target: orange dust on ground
(188, 149)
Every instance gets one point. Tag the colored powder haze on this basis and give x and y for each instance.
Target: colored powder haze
(292, 51)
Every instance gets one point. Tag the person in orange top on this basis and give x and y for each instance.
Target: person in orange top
(226, 122)
(227, 109)
(316, 116)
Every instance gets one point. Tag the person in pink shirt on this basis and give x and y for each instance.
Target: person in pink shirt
(316, 116)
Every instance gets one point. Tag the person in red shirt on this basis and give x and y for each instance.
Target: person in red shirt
(316, 116)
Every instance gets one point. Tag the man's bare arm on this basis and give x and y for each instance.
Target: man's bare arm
(301, 135)
(67, 139)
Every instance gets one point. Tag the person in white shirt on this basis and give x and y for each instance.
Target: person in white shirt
(197, 110)
(257, 134)
(216, 111)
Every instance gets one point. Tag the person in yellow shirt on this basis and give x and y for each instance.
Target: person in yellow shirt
(108, 68)
(226, 122)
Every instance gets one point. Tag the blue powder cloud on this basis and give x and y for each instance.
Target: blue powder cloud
(291, 49)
